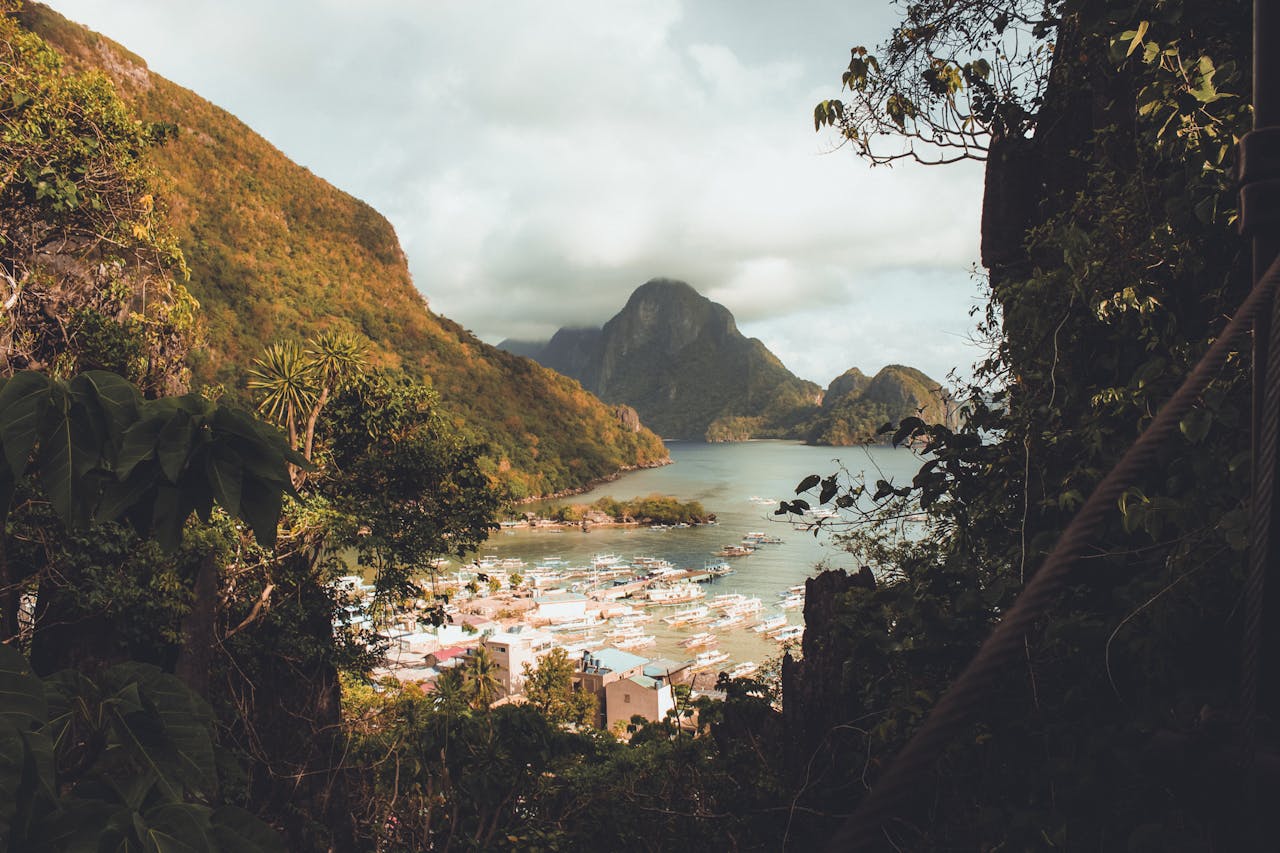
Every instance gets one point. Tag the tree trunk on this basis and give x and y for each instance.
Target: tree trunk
(195, 656)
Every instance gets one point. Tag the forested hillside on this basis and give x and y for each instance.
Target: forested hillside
(276, 252)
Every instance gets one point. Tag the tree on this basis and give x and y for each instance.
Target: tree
(296, 383)
(549, 687)
(1113, 260)
(480, 678)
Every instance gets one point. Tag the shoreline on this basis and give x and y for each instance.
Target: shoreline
(591, 484)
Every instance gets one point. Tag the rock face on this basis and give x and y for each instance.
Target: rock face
(679, 359)
(855, 407)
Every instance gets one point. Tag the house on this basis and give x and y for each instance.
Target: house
(667, 671)
(512, 649)
(638, 694)
(557, 607)
(597, 670)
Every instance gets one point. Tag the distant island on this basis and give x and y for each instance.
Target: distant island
(680, 361)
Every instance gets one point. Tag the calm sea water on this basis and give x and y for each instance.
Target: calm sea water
(724, 478)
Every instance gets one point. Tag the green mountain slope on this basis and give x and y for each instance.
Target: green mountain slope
(679, 359)
(276, 252)
(855, 407)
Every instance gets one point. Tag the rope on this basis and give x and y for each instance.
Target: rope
(906, 776)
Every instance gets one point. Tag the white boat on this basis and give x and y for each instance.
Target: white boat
(687, 614)
(791, 602)
(728, 621)
(726, 599)
(743, 669)
(703, 639)
(600, 561)
(707, 659)
(676, 594)
(637, 642)
(791, 632)
(773, 623)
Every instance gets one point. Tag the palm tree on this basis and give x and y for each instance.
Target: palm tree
(451, 691)
(285, 377)
(296, 383)
(480, 676)
(336, 358)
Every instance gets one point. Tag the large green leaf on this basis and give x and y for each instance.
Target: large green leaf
(237, 830)
(225, 470)
(13, 759)
(260, 505)
(171, 731)
(178, 828)
(173, 445)
(70, 448)
(24, 399)
(22, 695)
(138, 444)
(113, 396)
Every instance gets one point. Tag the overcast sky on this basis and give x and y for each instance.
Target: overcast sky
(540, 160)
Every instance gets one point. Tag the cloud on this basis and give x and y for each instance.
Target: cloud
(541, 160)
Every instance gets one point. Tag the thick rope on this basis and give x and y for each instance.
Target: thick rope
(910, 772)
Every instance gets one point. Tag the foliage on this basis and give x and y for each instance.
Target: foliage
(101, 452)
(549, 688)
(126, 763)
(408, 487)
(653, 509)
(87, 264)
(1112, 287)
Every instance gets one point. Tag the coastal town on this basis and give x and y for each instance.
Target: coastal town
(641, 633)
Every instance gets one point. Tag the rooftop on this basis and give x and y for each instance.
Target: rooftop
(616, 660)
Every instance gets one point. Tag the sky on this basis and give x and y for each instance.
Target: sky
(541, 160)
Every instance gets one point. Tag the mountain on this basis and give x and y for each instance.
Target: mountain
(679, 359)
(276, 252)
(855, 407)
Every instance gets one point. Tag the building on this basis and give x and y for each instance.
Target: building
(512, 649)
(559, 607)
(597, 670)
(638, 694)
(667, 671)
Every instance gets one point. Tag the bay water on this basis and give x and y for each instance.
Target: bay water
(741, 483)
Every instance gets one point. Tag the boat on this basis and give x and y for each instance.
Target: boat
(728, 621)
(687, 614)
(719, 568)
(636, 642)
(791, 602)
(676, 594)
(726, 599)
(759, 537)
(743, 669)
(707, 659)
(703, 639)
(773, 623)
(791, 632)
(735, 551)
(601, 561)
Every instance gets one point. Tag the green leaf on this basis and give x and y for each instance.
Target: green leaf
(116, 398)
(260, 505)
(179, 828)
(24, 400)
(138, 444)
(173, 445)
(1138, 36)
(235, 829)
(225, 471)
(1195, 424)
(69, 450)
(13, 761)
(22, 696)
